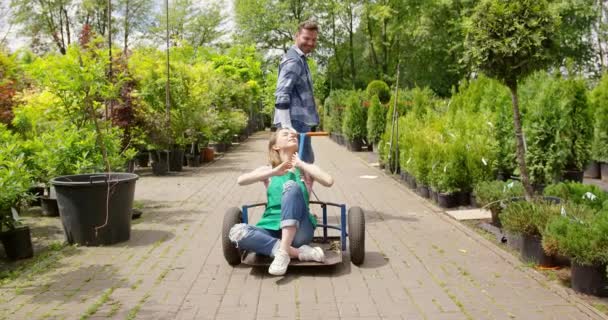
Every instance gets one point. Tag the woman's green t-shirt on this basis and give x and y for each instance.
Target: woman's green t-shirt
(271, 219)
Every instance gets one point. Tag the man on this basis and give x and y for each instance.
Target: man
(295, 104)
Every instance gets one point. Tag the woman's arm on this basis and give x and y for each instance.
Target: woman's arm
(315, 172)
(262, 174)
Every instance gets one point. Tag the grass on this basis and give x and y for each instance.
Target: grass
(95, 307)
(133, 313)
(39, 264)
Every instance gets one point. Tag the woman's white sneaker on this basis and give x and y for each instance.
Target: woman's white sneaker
(308, 253)
(278, 267)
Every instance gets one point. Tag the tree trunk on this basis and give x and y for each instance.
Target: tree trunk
(353, 72)
(371, 44)
(521, 151)
(599, 34)
(126, 40)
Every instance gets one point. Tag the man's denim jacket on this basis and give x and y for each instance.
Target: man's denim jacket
(294, 89)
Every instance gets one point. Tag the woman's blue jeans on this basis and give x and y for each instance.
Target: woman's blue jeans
(294, 212)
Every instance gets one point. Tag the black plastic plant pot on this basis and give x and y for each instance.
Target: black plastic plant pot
(176, 160)
(473, 200)
(514, 240)
(604, 171)
(194, 160)
(143, 159)
(49, 207)
(17, 243)
(160, 162)
(575, 176)
(532, 251)
(593, 170)
(434, 196)
(447, 200)
(355, 145)
(423, 191)
(96, 208)
(496, 217)
(589, 279)
(464, 198)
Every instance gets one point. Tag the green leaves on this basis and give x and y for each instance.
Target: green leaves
(510, 39)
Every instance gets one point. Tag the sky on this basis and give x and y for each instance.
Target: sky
(15, 40)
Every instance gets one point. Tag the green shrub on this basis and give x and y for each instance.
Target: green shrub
(584, 239)
(529, 218)
(599, 101)
(354, 124)
(489, 193)
(376, 120)
(578, 193)
(380, 89)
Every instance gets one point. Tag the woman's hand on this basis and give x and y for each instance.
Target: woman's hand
(282, 168)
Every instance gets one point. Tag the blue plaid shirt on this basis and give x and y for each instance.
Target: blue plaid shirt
(294, 89)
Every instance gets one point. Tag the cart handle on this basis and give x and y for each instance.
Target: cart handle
(317, 134)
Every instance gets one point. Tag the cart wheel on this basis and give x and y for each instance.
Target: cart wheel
(231, 252)
(356, 235)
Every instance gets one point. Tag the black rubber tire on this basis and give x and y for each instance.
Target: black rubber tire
(231, 252)
(356, 235)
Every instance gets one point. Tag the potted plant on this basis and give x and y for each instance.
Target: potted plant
(95, 208)
(599, 101)
(580, 194)
(14, 183)
(490, 194)
(376, 122)
(529, 219)
(354, 124)
(582, 235)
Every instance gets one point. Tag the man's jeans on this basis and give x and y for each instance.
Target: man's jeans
(294, 212)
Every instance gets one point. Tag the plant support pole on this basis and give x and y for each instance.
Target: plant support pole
(167, 93)
(393, 119)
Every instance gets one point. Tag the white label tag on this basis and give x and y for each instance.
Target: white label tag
(485, 163)
(590, 196)
(563, 211)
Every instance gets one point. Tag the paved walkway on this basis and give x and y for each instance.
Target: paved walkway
(419, 263)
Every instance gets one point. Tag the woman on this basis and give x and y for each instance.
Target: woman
(287, 226)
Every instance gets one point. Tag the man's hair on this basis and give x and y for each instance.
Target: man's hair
(308, 25)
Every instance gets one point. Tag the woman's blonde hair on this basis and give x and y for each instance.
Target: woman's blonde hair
(274, 157)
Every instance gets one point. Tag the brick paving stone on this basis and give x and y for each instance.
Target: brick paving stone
(419, 264)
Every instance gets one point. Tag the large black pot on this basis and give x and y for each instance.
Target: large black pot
(220, 147)
(17, 243)
(532, 251)
(572, 175)
(355, 145)
(589, 279)
(447, 200)
(176, 159)
(434, 195)
(593, 170)
(160, 162)
(496, 217)
(473, 200)
(96, 208)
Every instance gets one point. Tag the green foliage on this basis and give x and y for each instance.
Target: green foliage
(379, 89)
(560, 127)
(528, 218)
(489, 194)
(15, 179)
(599, 102)
(376, 120)
(355, 119)
(509, 40)
(580, 235)
(580, 194)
